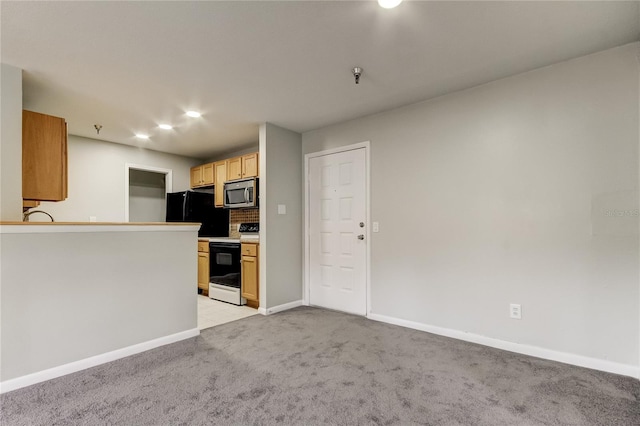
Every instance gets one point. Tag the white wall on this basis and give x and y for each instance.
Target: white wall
(504, 193)
(280, 235)
(10, 143)
(97, 179)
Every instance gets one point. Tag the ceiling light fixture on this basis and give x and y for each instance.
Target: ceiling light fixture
(389, 4)
(165, 126)
(194, 114)
(142, 136)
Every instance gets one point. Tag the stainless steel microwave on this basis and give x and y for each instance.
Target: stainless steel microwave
(241, 193)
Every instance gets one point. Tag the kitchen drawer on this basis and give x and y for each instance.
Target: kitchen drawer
(249, 249)
(203, 246)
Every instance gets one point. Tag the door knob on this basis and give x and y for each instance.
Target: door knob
(361, 237)
(361, 224)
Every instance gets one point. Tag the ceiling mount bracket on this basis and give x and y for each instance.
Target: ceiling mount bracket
(357, 71)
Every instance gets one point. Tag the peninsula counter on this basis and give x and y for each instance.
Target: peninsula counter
(75, 295)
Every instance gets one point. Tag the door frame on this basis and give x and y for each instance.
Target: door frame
(168, 182)
(306, 266)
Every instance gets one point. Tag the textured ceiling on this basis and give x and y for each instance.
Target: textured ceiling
(131, 65)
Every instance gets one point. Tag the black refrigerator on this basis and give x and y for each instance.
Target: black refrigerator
(191, 206)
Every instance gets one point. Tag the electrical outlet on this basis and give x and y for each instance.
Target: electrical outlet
(376, 227)
(92, 218)
(515, 311)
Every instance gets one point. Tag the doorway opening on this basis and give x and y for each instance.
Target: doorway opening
(145, 193)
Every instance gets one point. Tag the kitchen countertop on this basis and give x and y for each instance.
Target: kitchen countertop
(58, 227)
(103, 223)
(219, 239)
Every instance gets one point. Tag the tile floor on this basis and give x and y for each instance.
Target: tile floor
(212, 312)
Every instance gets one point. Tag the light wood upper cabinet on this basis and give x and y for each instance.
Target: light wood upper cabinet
(202, 175)
(220, 171)
(242, 167)
(234, 168)
(196, 176)
(44, 157)
(207, 174)
(250, 165)
(250, 287)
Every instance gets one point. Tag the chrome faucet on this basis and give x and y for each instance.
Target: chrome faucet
(25, 217)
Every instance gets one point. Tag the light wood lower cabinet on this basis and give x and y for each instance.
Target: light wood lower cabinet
(250, 268)
(203, 267)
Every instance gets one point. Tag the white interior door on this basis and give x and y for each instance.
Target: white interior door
(337, 237)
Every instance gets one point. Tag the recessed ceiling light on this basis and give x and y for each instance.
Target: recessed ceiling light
(194, 114)
(142, 136)
(165, 126)
(389, 4)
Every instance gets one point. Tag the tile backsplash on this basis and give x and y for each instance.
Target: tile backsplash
(238, 216)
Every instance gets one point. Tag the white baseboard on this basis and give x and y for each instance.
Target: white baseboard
(280, 308)
(72, 367)
(564, 357)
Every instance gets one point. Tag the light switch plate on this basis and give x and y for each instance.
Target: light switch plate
(376, 227)
(515, 311)
(282, 209)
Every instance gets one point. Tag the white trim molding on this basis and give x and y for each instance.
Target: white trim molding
(83, 364)
(306, 268)
(280, 308)
(535, 351)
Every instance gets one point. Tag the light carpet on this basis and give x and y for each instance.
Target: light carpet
(311, 366)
